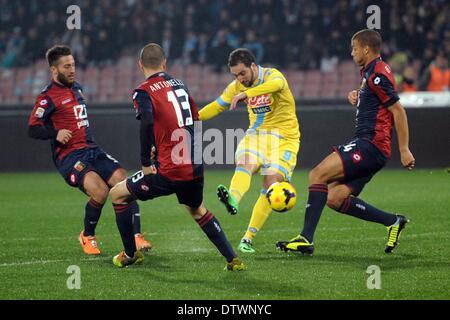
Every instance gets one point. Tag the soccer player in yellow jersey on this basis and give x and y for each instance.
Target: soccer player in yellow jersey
(271, 142)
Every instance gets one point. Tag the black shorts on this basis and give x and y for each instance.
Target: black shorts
(361, 160)
(149, 187)
(75, 165)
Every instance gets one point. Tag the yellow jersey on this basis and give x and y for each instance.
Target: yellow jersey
(270, 104)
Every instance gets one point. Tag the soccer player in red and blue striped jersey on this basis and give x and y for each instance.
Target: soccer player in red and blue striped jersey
(339, 178)
(60, 115)
(167, 113)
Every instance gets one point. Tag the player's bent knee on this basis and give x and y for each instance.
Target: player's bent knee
(118, 176)
(334, 202)
(99, 194)
(198, 212)
(121, 175)
(119, 193)
(316, 176)
(247, 162)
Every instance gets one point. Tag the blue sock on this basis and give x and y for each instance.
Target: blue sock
(124, 220)
(134, 207)
(317, 199)
(211, 227)
(357, 208)
(92, 215)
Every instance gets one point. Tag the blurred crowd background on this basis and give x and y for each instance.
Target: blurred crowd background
(308, 40)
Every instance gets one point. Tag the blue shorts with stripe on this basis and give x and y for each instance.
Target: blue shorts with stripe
(147, 187)
(78, 163)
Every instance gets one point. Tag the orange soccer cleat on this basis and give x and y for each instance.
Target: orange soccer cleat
(141, 243)
(89, 244)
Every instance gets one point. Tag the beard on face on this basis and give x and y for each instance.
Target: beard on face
(252, 79)
(64, 80)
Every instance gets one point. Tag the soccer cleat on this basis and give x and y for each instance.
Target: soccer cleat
(299, 243)
(89, 244)
(235, 265)
(246, 246)
(394, 233)
(141, 243)
(122, 260)
(227, 199)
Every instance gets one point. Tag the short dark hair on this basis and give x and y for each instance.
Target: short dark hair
(152, 56)
(370, 38)
(241, 55)
(54, 53)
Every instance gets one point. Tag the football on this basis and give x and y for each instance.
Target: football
(281, 196)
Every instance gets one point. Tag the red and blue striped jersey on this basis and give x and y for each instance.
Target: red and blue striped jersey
(165, 103)
(59, 107)
(377, 93)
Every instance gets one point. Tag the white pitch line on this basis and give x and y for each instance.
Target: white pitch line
(25, 263)
(193, 231)
(204, 250)
(15, 264)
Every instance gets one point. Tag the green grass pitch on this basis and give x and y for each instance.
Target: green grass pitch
(41, 218)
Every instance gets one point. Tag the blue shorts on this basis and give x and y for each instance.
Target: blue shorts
(75, 165)
(361, 160)
(148, 187)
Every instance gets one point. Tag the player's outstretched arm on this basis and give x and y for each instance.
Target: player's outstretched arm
(210, 111)
(401, 126)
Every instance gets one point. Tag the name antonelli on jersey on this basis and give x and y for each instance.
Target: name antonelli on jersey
(165, 84)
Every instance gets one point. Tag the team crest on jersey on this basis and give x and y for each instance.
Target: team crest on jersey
(43, 102)
(39, 112)
(356, 157)
(145, 187)
(79, 166)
